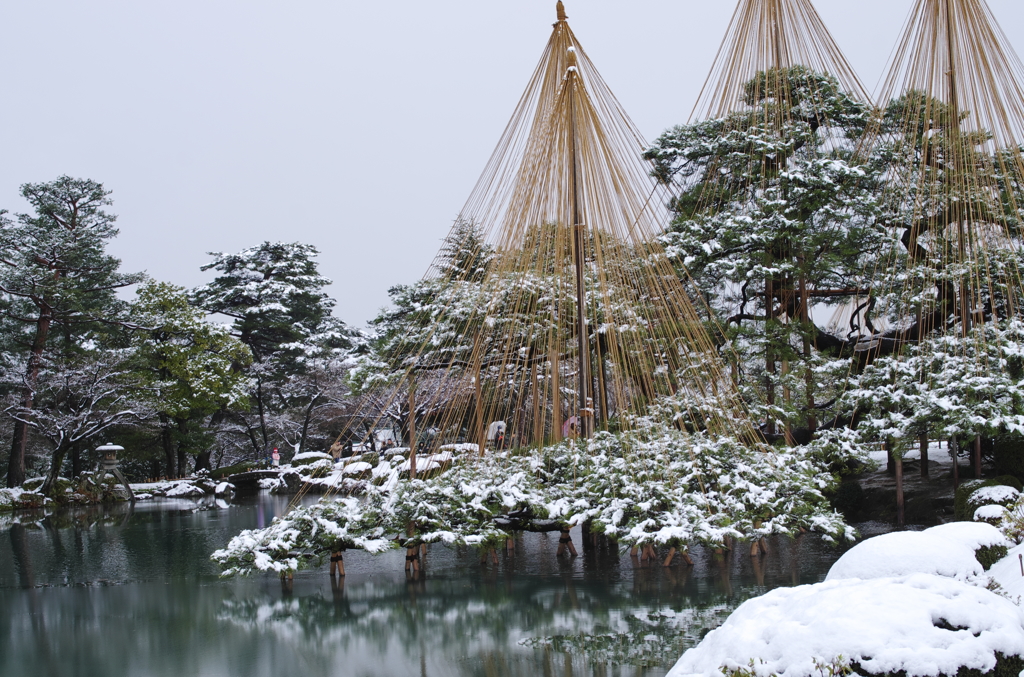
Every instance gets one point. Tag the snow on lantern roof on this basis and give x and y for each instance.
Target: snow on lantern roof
(110, 447)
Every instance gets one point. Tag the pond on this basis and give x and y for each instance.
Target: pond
(122, 591)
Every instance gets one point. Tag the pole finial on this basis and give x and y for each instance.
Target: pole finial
(560, 8)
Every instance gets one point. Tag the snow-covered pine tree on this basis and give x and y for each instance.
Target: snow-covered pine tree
(774, 217)
(58, 283)
(189, 367)
(274, 295)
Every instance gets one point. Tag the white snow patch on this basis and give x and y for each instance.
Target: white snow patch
(1009, 574)
(972, 535)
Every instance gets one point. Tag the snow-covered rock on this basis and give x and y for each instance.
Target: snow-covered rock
(357, 468)
(920, 624)
(185, 490)
(908, 552)
(309, 457)
(224, 489)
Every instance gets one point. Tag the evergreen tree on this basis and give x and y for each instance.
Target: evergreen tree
(191, 369)
(773, 217)
(58, 281)
(274, 295)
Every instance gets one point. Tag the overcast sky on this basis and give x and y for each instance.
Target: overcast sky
(359, 127)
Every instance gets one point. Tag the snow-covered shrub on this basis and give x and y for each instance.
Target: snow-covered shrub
(990, 514)
(304, 536)
(917, 625)
(965, 503)
(654, 485)
(998, 494)
(906, 552)
(960, 550)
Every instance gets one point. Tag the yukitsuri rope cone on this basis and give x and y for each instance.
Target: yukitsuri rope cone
(561, 311)
(556, 369)
(769, 143)
(950, 135)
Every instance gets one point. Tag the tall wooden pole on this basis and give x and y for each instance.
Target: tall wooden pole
(586, 402)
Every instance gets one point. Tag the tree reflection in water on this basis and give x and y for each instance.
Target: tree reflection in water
(112, 593)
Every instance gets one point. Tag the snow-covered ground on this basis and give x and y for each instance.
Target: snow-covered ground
(938, 452)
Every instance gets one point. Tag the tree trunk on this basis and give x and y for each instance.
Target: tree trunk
(977, 457)
(954, 450)
(76, 459)
(203, 460)
(16, 463)
(924, 455)
(305, 423)
(769, 306)
(56, 461)
(262, 414)
(182, 445)
(901, 519)
(165, 442)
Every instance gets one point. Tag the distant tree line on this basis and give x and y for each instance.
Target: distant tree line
(184, 379)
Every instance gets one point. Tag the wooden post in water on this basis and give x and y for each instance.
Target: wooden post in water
(338, 562)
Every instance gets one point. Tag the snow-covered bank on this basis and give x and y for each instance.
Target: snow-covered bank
(914, 603)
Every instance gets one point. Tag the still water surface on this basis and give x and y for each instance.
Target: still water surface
(121, 592)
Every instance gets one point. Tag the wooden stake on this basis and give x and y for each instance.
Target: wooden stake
(565, 543)
(668, 559)
(337, 563)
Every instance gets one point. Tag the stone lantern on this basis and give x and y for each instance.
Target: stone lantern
(108, 464)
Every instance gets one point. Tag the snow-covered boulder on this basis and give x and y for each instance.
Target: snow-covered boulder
(185, 490)
(310, 457)
(358, 468)
(907, 552)
(224, 490)
(915, 625)
(18, 498)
